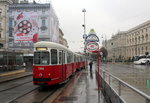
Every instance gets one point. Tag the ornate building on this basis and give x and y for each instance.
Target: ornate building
(116, 46)
(4, 5)
(138, 40)
(62, 40)
(31, 22)
(126, 45)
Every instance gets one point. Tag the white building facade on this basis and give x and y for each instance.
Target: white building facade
(116, 46)
(30, 23)
(138, 40)
(126, 45)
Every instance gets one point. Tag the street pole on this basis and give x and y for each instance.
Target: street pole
(98, 57)
(84, 26)
(84, 10)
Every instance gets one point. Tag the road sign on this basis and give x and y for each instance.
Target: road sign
(92, 46)
(92, 38)
(84, 36)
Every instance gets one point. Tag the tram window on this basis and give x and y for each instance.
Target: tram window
(41, 58)
(54, 56)
(37, 58)
(69, 57)
(44, 58)
(60, 57)
(64, 58)
(74, 58)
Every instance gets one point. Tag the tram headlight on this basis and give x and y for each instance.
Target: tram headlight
(40, 75)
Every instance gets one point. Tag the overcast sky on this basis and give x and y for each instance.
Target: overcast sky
(107, 17)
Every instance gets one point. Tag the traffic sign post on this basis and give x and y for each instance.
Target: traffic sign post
(92, 38)
(92, 46)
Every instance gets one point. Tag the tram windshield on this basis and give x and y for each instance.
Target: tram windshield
(41, 58)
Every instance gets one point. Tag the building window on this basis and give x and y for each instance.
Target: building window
(146, 30)
(10, 22)
(142, 30)
(43, 11)
(132, 40)
(43, 22)
(139, 38)
(10, 43)
(142, 50)
(139, 50)
(135, 51)
(35, 10)
(0, 35)
(43, 27)
(0, 13)
(135, 39)
(10, 32)
(146, 48)
(146, 37)
(142, 37)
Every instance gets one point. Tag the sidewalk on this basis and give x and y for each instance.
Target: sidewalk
(82, 89)
(11, 75)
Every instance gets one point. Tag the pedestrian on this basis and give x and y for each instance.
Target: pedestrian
(24, 65)
(90, 64)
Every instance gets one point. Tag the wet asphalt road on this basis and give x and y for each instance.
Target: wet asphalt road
(136, 75)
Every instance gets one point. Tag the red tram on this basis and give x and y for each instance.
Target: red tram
(54, 63)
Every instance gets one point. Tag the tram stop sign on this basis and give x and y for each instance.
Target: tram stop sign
(92, 46)
(92, 37)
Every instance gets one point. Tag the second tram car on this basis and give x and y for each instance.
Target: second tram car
(54, 63)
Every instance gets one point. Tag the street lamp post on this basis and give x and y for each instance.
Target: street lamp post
(84, 35)
(84, 10)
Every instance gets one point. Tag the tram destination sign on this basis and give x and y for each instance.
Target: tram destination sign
(92, 38)
(92, 46)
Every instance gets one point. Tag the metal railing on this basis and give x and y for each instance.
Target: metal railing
(109, 78)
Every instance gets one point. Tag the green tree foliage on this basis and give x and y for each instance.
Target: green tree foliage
(104, 51)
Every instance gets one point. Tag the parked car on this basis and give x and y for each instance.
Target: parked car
(143, 61)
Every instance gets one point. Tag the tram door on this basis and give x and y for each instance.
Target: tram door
(62, 62)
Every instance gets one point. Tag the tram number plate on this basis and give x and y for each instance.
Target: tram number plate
(41, 68)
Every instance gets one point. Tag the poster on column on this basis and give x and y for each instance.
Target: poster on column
(26, 28)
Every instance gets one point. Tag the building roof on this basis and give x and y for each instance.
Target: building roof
(29, 5)
(139, 26)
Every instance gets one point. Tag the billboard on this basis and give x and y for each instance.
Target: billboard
(25, 27)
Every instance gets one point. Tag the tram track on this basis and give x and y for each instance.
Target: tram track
(39, 95)
(34, 96)
(14, 99)
(14, 86)
(6, 86)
